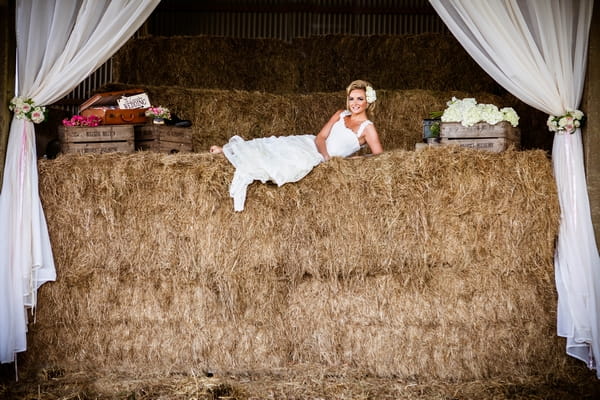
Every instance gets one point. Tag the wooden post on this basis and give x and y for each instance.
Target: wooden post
(7, 73)
(591, 130)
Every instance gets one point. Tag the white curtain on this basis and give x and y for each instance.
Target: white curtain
(59, 43)
(537, 50)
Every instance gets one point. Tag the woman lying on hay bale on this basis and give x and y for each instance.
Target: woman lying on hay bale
(286, 159)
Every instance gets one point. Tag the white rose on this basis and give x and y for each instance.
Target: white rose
(17, 102)
(37, 115)
(562, 122)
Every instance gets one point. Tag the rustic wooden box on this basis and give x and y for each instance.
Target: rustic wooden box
(96, 139)
(481, 136)
(163, 138)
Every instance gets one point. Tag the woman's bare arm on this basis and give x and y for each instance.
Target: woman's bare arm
(372, 138)
(324, 134)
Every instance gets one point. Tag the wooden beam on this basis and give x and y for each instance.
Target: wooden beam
(590, 105)
(7, 73)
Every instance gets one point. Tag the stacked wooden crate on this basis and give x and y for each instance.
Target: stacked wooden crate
(481, 136)
(163, 138)
(96, 139)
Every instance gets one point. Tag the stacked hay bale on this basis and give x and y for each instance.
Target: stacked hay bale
(217, 115)
(306, 65)
(431, 265)
(209, 62)
(421, 266)
(261, 87)
(424, 61)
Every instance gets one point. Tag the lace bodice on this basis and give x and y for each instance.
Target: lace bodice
(342, 141)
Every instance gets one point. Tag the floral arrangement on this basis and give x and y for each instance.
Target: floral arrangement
(26, 109)
(79, 120)
(468, 112)
(158, 112)
(371, 95)
(572, 120)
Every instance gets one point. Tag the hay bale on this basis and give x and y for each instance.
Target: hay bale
(200, 76)
(308, 383)
(209, 63)
(315, 64)
(219, 114)
(425, 61)
(434, 264)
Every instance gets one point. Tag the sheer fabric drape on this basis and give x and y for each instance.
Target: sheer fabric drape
(537, 50)
(59, 43)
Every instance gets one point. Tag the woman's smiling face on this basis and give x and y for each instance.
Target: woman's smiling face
(357, 101)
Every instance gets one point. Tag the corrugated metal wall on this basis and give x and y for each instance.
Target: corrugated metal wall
(287, 19)
(277, 19)
(100, 77)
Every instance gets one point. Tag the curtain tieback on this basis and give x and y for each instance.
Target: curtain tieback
(25, 108)
(567, 123)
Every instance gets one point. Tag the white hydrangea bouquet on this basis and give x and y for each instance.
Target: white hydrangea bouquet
(468, 112)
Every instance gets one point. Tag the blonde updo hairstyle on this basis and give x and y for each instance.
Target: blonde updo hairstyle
(360, 84)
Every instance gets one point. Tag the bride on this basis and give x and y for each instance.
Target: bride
(284, 159)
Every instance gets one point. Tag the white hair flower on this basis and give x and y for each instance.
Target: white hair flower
(371, 95)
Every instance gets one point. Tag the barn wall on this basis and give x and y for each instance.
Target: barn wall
(271, 19)
(591, 106)
(289, 19)
(7, 73)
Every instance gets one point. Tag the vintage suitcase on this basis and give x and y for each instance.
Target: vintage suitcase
(104, 105)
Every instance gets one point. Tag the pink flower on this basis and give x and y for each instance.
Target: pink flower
(79, 120)
(37, 116)
(569, 127)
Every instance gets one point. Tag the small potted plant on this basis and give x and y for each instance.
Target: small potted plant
(431, 127)
(158, 114)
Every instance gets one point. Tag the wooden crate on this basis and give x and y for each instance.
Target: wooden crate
(495, 145)
(481, 136)
(96, 139)
(163, 138)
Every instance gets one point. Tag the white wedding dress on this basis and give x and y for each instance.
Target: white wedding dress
(283, 159)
